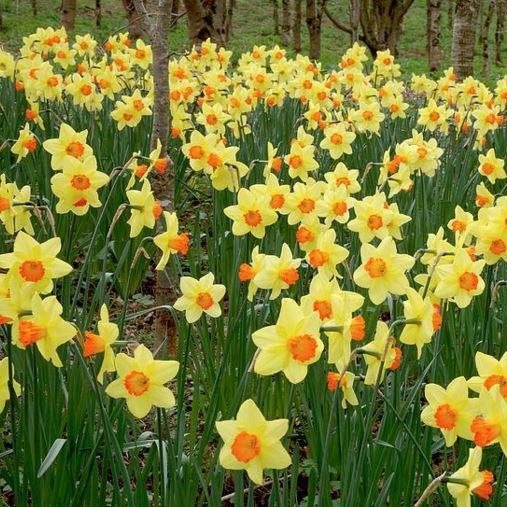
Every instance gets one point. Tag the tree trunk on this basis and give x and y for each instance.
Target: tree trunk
(463, 37)
(201, 21)
(485, 36)
(98, 12)
(450, 13)
(276, 17)
(501, 8)
(34, 7)
(354, 14)
(433, 33)
(381, 22)
(162, 183)
(136, 21)
(314, 11)
(228, 20)
(1, 19)
(68, 14)
(285, 22)
(296, 27)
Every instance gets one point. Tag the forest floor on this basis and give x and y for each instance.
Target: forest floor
(252, 24)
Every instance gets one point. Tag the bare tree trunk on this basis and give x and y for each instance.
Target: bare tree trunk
(296, 27)
(175, 9)
(1, 19)
(68, 14)
(136, 21)
(354, 14)
(381, 22)
(463, 37)
(433, 33)
(314, 11)
(200, 21)
(162, 182)
(276, 17)
(485, 36)
(228, 20)
(450, 13)
(501, 8)
(34, 7)
(285, 22)
(98, 12)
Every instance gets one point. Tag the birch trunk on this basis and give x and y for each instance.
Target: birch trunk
(433, 32)
(463, 37)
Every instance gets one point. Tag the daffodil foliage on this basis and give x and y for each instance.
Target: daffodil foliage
(335, 244)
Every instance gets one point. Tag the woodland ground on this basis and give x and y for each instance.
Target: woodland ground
(253, 24)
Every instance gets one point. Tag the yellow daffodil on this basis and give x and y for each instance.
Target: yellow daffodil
(25, 143)
(68, 144)
(450, 410)
(469, 480)
(77, 185)
(252, 443)
(460, 280)
(102, 342)
(382, 270)
(44, 327)
(491, 372)
(170, 241)
(278, 273)
(200, 296)
(289, 346)
(4, 383)
(252, 214)
(141, 381)
(35, 263)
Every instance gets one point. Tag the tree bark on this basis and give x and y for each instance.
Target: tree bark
(296, 27)
(276, 17)
(381, 22)
(314, 12)
(136, 21)
(285, 22)
(201, 21)
(463, 37)
(68, 14)
(433, 33)
(157, 26)
(501, 8)
(228, 20)
(34, 7)
(1, 19)
(98, 12)
(485, 35)
(354, 15)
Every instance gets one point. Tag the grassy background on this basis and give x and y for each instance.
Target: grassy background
(253, 24)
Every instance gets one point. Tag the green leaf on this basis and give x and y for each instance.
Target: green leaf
(51, 456)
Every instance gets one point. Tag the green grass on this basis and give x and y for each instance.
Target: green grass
(253, 24)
